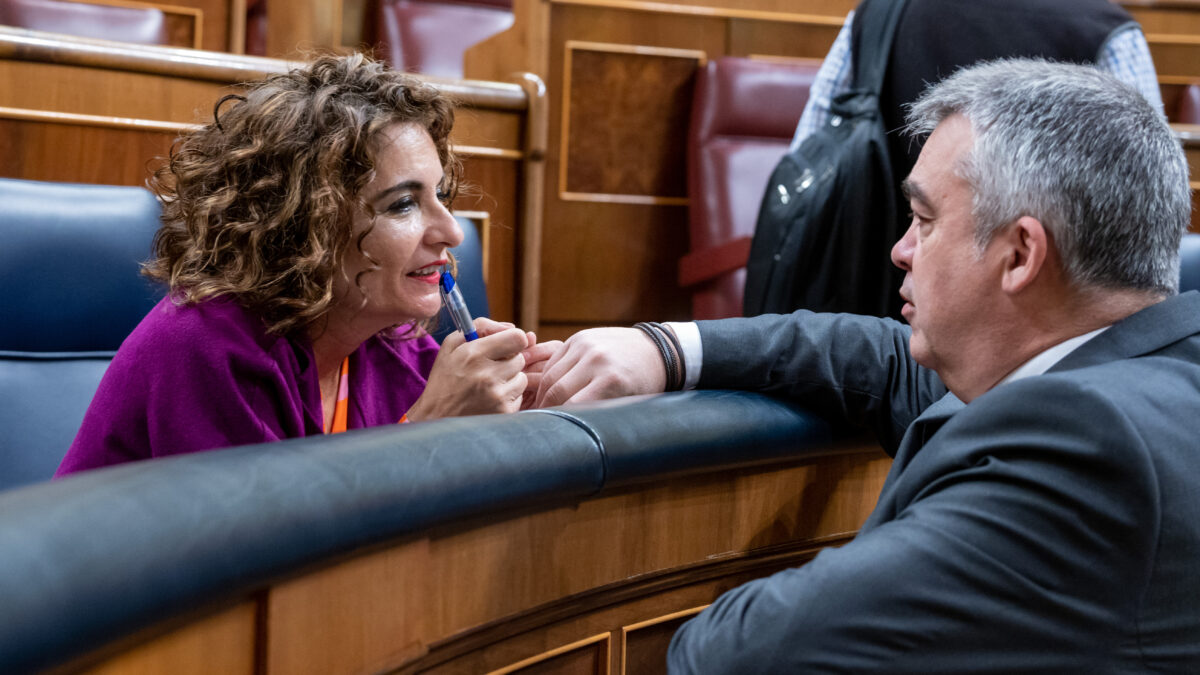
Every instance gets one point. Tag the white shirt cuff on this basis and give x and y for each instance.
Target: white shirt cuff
(693, 353)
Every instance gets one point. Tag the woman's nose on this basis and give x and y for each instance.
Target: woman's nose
(445, 228)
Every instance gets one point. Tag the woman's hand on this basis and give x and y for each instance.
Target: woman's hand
(537, 356)
(478, 377)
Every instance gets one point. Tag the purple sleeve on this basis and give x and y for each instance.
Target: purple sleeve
(191, 379)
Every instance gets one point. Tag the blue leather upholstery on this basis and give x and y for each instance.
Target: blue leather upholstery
(69, 264)
(72, 292)
(45, 397)
(1189, 263)
(470, 278)
(104, 553)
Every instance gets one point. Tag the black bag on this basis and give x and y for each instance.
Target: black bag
(830, 214)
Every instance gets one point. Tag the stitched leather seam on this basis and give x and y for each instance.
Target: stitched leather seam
(590, 431)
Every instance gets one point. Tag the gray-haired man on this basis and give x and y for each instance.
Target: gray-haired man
(1042, 513)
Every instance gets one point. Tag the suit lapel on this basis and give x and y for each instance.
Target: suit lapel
(1149, 330)
(919, 432)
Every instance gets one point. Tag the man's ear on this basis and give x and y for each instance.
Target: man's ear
(1028, 250)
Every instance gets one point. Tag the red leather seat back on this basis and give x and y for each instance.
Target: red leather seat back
(106, 22)
(743, 117)
(1188, 110)
(430, 36)
(256, 27)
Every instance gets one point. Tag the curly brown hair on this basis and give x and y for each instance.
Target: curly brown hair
(258, 204)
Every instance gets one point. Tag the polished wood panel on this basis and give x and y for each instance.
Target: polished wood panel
(756, 38)
(95, 149)
(612, 263)
(455, 600)
(296, 29)
(601, 256)
(185, 25)
(619, 148)
(588, 656)
(562, 331)
(614, 617)
(1176, 57)
(79, 153)
(1166, 20)
(1173, 32)
(184, 31)
(223, 643)
(644, 644)
(223, 24)
(479, 130)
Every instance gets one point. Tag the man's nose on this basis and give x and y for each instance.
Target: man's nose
(902, 250)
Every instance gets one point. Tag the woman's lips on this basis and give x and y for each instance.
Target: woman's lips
(430, 273)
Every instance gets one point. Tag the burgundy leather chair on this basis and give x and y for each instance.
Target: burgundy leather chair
(430, 36)
(107, 22)
(744, 114)
(256, 27)
(1187, 110)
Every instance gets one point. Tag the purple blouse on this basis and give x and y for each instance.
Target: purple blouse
(207, 376)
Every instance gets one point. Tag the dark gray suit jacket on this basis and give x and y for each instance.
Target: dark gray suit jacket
(1052, 525)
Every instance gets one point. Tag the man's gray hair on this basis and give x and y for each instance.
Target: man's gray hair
(1080, 151)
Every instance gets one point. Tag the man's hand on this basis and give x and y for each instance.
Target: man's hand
(601, 363)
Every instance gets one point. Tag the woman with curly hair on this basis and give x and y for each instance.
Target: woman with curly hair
(304, 232)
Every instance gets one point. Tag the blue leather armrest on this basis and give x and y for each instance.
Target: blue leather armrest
(102, 554)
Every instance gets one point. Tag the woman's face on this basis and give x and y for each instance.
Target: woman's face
(409, 238)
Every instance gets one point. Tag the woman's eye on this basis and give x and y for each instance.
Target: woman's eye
(403, 205)
(443, 197)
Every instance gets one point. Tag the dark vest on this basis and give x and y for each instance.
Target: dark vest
(936, 37)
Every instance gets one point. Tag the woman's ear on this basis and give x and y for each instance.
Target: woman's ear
(1027, 245)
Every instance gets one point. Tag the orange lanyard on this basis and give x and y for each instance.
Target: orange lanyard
(342, 407)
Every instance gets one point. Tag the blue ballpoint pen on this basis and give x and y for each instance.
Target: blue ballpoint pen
(453, 300)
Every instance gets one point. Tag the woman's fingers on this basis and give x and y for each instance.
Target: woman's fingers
(538, 355)
(485, 326)
(502, 345)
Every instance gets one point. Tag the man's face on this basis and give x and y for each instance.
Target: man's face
(949, 288)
